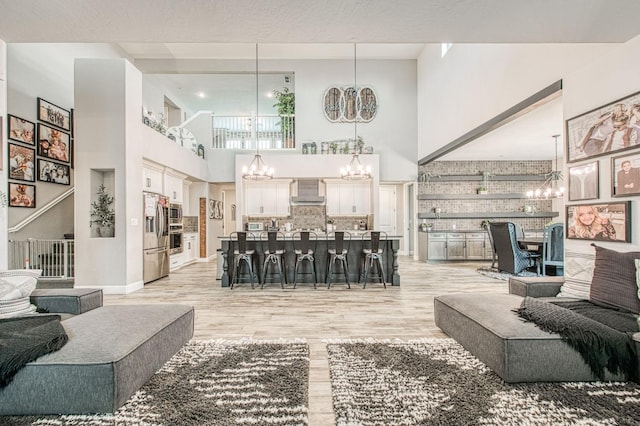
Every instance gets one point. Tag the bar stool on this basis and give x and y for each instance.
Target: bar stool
(242, 254)
(274, 254)
(304, 246)
(373, 254)
(341, 243)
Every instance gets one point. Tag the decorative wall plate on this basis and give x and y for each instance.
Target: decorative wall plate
(346, 104)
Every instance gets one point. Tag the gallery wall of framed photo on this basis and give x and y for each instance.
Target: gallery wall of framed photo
(38, 152)
(606, 138)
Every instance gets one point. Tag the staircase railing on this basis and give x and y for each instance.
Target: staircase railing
(35, 215)
(54, 257)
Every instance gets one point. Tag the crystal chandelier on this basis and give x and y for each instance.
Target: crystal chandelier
(552, 186)
(355, 170)
(257, 169)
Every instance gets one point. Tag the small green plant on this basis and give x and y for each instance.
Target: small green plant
(102, 214)
(286, 106)
(333, 147)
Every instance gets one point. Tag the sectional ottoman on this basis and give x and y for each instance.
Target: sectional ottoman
(112, 351)
(518, 351)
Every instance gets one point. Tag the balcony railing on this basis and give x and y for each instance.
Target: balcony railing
(239, 132)
(54, 257)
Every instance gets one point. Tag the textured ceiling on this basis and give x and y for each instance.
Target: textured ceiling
(328, 21)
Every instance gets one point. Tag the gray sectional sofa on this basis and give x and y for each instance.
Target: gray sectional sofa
(111, 352)
(518, 351)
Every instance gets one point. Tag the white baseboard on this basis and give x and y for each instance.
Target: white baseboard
(116, 289)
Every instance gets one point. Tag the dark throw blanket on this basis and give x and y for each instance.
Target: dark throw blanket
(600, 334)
(25, 339)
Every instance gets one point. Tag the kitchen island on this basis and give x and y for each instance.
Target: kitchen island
(354, 260)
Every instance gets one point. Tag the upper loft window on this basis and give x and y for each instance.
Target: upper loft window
(445, 48)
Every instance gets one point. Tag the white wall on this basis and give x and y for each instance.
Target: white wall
(4, 211)
(46, 71)
(608, 77)
(475, 82)
(392, 133)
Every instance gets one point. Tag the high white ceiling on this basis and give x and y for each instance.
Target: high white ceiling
(304, 29)
(312, 21)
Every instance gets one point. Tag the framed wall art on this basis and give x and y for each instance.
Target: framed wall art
(51, 172)
(600, 222)
(604, 130)
(53, 143)
(54, 115)
(625, 175)
(21, 130)
(583, 182)
(22, 195)
(21, 162)
(216, 209)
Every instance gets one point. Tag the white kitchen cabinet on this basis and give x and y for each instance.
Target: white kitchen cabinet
(267, 198)
(152, 180)
(175, 261)
(190, 252)
(348, 198)
(173, 188)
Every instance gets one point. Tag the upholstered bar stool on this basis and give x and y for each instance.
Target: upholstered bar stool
(373, 254)
(273, 255)
(304, 243)
(340, 241)
(242, 255)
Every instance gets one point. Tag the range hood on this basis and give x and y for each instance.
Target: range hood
(308, 192)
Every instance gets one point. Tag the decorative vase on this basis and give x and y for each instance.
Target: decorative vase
(106, 231)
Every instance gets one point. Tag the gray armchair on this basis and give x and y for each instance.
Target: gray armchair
(511, 258)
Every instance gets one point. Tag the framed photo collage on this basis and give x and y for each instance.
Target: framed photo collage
(610, 129)
(41, 151)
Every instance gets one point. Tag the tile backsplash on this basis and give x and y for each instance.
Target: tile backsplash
(456, 194)
(190, 223)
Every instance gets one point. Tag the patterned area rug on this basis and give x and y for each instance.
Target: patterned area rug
(494, 273)
(437, 382)
(214, 383)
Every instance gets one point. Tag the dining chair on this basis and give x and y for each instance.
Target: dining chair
(338, 243)
(304, 247)
(494, 254)
(242, 255)
(553, 248)
(274, 255)
(511, 257)
(372, 251)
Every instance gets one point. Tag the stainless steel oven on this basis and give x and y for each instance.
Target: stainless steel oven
(176, 240)
(175, 213)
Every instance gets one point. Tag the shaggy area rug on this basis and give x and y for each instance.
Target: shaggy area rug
(213, 383)
(437, 382)
(504, 276)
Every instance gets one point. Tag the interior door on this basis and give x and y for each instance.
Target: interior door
(387, 220)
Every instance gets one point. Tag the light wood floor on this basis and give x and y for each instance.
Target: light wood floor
(404, 312)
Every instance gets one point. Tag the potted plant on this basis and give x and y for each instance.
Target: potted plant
(333, 147)
(102, 214)
(483, 190)
(286, 106)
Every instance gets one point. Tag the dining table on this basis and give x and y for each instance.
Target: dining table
(527, 242)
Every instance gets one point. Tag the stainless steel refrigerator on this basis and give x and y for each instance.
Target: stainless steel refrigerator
(156, 236)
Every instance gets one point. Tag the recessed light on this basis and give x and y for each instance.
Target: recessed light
(269, 94)
(201, 95)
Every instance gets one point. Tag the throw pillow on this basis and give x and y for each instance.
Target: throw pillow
(614, 279)
(15, 288)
